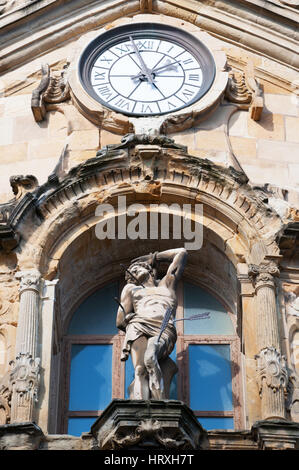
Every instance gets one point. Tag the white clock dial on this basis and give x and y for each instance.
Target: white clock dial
(146, 76)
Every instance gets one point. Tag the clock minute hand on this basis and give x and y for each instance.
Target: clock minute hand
(144, 68)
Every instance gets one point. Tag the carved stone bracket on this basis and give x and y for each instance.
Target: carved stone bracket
(243, 90)
(271, 368)
(51, 90)
(139, 424)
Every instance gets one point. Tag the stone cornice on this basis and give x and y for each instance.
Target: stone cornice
(268, 28)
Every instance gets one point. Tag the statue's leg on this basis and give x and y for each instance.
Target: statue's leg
(151, 361)
(139, 389)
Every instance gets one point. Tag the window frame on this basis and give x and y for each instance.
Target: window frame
(117, 366)
(182, 355)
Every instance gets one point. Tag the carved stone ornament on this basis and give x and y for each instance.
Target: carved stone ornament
(12, 211)
(25, 378)
(152, 431)
(29, 280)
(271, 368)
(263, 274)
(51, 90)
(154, 424)
(5, 399)
(243, 90)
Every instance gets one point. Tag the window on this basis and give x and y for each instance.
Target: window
(206, 353)
(90, 350)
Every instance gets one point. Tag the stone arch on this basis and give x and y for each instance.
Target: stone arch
(58, 227)
(149, 175)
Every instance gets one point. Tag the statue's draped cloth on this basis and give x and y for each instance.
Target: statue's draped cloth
(150, 305)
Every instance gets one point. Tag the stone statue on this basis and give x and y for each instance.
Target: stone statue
(144, 304)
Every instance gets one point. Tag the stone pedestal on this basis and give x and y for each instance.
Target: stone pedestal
(276, 434)
(20, 436)
(144, 425)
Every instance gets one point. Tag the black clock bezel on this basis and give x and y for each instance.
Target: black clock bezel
(153, 31)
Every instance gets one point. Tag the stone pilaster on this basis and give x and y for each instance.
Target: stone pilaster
(24, 377)
(271, 365)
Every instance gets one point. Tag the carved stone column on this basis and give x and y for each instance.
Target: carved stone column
(271, 365)
(24, 377)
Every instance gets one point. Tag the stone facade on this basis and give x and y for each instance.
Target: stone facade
(61, 154)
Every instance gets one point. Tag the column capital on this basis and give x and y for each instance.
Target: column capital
(263, 274)
(29, 280)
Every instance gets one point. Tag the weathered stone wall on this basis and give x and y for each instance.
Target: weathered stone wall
(266, 149)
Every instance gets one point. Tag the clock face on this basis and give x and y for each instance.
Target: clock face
(146, 69)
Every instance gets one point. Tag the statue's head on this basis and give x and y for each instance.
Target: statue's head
(141, 271)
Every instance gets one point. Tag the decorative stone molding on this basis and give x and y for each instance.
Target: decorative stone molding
(51, 90)
(20, 436)
(271, 368)
(244, 91)
(276, 434)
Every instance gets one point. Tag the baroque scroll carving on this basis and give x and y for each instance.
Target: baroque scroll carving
(51, 90)
(243, 90)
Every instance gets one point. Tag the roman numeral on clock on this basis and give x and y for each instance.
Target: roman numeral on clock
(193, 77)
(145, 108)
(123, 104)
(99, 76)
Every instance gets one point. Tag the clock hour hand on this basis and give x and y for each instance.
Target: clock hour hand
(140, 74)
(144, 68)
(165, 66)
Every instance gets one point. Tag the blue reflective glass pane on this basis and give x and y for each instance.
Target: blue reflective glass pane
(97, 314)
(210, 377)
(197, 300)
(91, 376)
(217, 423)
(129, 377)
(78, 425)
(173, 392)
